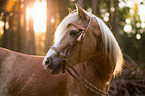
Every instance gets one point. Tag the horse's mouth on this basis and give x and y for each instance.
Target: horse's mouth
(52, 71)
(54, 66)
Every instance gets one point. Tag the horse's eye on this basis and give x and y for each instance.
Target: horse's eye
(73, 33)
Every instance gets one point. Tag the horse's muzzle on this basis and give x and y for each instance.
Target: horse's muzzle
(54, 64)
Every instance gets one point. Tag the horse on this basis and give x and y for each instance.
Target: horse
(24, 75)
(99, 58)
(84, 43)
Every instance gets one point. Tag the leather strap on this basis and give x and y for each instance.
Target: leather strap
(66, 50)
(83, 31)
(78, 26)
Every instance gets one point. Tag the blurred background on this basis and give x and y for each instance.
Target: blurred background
(28, 26)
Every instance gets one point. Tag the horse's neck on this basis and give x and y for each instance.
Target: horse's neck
(98, 71)
(102, 66)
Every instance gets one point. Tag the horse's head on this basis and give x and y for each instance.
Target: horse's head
(74, 40)
(77, 38)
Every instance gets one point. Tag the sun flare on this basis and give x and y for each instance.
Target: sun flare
(38, 12)
(39, 16)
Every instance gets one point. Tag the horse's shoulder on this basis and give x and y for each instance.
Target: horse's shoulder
(4, 53)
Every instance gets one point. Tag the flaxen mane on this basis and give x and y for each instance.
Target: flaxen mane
(109, 41)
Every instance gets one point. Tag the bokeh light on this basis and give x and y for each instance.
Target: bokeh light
(106, 19)
(143, 25)
(138, 36)
(1, 28)
(7, 25)
(28, 13)
(52, 20)
(127, 20)
(128, 28)
(137, 25)
(112, 9)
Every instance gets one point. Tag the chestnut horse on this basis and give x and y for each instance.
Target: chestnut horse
(84, 41)
(23, 75)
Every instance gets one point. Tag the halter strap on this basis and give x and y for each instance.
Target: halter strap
(73, 42)
(78, 26)
(83, 31)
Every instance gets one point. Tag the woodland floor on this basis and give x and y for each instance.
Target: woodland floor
(132, 80)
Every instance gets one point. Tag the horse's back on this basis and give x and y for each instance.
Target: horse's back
(23, 75)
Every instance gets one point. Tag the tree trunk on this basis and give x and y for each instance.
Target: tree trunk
(23, 28)
(10, 32)
(62, 8)
(115, 19)
(19, 29)
(4, 40)
(80, 2)
(50, 25)
(98, 8)
(108, 10)
(94, 6)
(31, 39)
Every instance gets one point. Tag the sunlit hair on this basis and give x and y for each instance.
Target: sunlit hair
(108, 39)
(110, 42)
(61, 29)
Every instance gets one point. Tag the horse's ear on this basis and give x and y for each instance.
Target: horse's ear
(82, 12)
(70, 11)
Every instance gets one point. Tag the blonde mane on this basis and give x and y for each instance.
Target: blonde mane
(108, 39)
(110, 42)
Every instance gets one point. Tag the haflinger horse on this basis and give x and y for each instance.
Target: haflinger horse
(84, 43)
(24, 75)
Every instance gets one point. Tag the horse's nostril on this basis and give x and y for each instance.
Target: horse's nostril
(48, 61)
